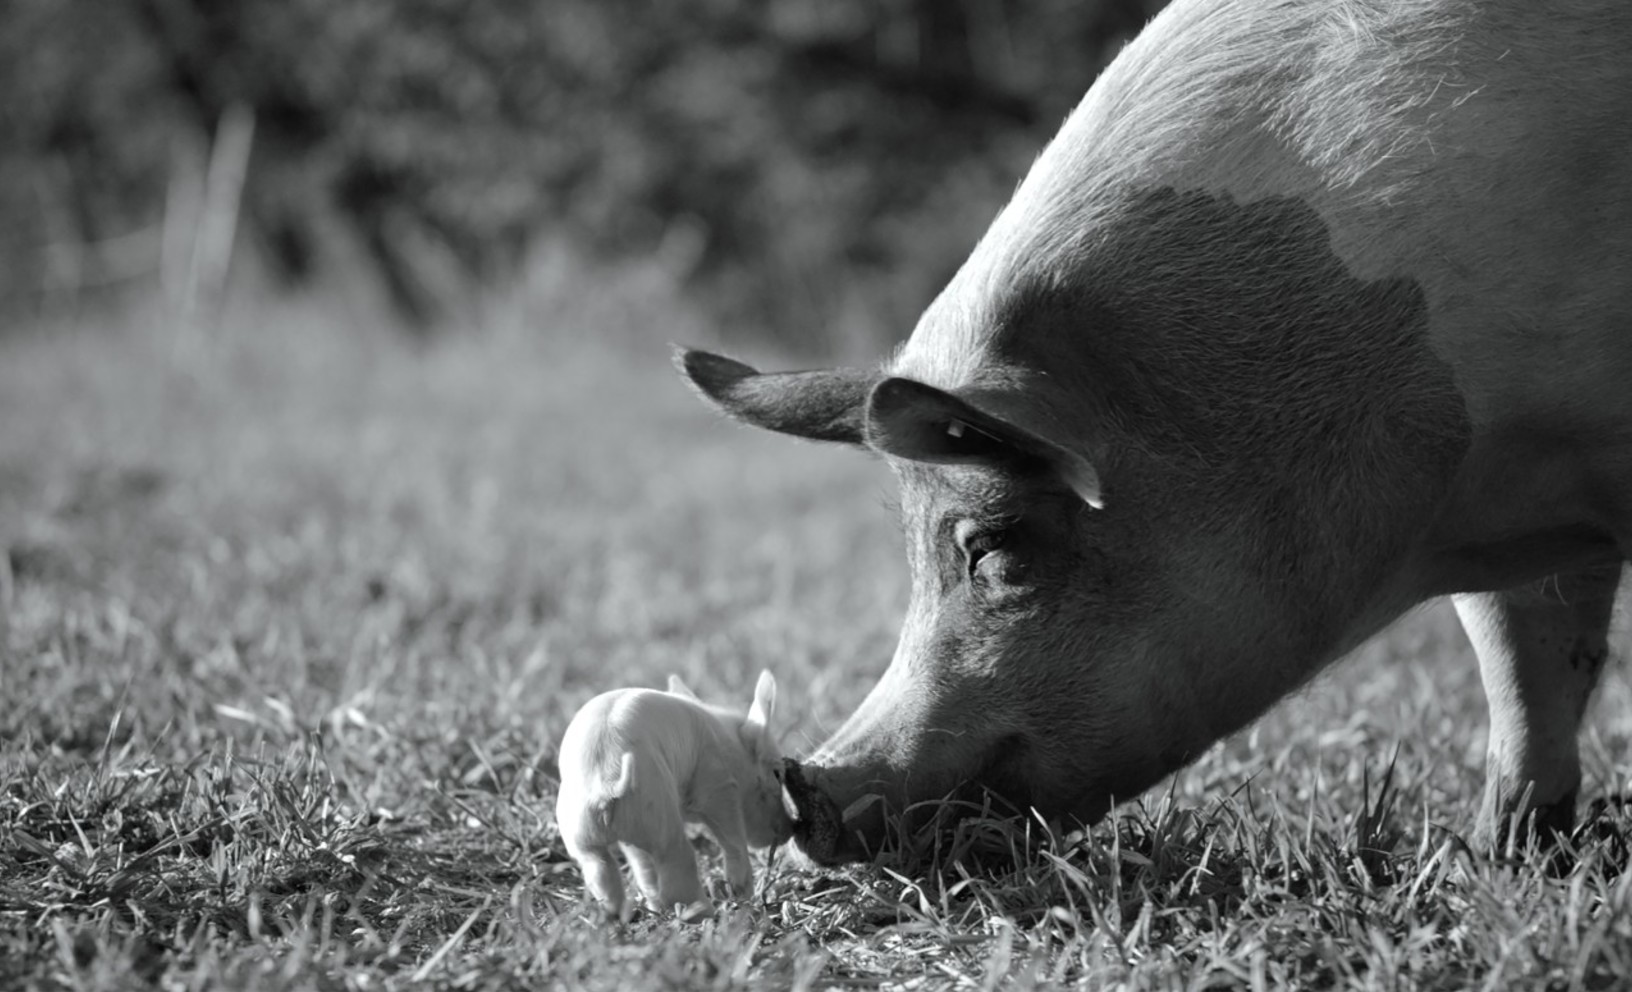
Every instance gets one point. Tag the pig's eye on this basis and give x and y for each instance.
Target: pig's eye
(980, 541)
(980, 545)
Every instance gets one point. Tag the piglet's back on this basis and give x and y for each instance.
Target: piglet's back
(666, 733)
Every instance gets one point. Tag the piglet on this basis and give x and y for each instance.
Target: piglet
(637, 765)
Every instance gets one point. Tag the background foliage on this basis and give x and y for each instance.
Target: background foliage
(806, 164)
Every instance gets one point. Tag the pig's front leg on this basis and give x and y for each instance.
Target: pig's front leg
(644, 867)
(722, 815)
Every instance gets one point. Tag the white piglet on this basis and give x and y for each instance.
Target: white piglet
(637, 765)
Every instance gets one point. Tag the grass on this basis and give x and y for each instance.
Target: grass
(293, 619)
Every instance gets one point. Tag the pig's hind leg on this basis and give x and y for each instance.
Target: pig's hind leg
(654, 841)
(667, 877)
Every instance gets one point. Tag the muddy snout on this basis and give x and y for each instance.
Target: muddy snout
(819, 825)
(817, 821)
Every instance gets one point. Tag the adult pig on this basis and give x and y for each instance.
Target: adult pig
(1313, 310)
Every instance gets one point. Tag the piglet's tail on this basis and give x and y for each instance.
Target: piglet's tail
(626, 777)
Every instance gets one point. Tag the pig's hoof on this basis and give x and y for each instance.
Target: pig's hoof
(695, 912)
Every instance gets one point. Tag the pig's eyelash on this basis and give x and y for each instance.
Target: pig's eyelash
(987, 523)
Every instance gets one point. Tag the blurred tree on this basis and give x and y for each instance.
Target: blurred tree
(797, 158)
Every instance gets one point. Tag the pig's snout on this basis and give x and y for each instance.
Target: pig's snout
(820, 826)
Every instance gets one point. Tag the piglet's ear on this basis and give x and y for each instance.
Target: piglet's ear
(756, 726)
(679, 688)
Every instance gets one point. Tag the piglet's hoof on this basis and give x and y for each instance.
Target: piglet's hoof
(695, 912)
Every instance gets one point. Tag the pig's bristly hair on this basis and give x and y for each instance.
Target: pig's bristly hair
(1338, 100)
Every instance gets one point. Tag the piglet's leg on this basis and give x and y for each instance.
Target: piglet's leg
(724, 821)
(677, 880)
(602, 877)
(653, 832)
(644, 867)
(666, 876)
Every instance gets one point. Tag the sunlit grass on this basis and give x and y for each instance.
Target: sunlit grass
(294, 618)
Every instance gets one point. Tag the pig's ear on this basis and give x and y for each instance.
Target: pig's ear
(823, 404)
(911, 420)
(756, 726)
(679, 688)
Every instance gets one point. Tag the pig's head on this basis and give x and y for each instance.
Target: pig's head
(1027, 661)
(1142, 500)
(764, 817)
